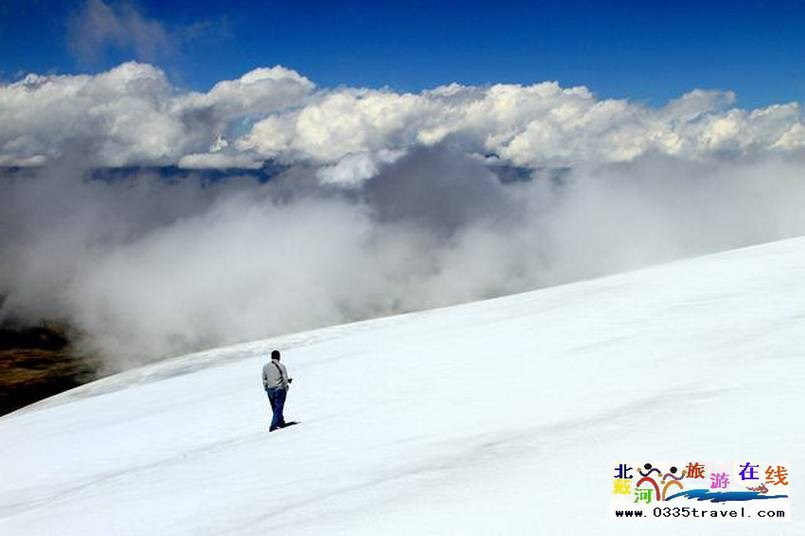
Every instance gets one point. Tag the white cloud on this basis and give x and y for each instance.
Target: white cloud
(131, 115)
(98, 26)
(338, 123)
(254, 94)
(218, 160)
(356, 167)
(148, 267)
(532, 126)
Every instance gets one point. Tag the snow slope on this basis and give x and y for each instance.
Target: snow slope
(496, 417)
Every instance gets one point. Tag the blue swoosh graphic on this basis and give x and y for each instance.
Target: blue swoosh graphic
(723, 496)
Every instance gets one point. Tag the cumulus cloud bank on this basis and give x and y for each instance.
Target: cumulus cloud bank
(378, 202)
(131, 115)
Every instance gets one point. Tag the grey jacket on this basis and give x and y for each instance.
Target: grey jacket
(275, 375)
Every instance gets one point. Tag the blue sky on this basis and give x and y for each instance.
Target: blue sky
(641, 50)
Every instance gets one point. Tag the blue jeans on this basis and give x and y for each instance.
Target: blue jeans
(276, 396)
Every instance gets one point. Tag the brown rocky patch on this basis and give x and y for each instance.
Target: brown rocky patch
(38, 362)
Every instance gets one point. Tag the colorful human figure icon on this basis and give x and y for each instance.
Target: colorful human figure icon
(673, 480)
(649, 470)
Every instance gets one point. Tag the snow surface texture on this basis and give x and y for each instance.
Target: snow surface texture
(496, 417)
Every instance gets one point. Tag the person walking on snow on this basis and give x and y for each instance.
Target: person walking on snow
(276, 383)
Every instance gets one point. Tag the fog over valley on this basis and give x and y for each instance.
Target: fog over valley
(156, 220)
